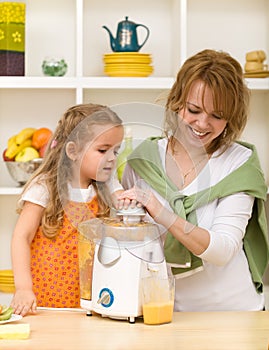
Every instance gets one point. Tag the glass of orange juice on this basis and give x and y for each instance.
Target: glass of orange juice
(86, 249)
(158, 299)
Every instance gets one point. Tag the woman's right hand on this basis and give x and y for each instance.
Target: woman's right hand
(23, 302)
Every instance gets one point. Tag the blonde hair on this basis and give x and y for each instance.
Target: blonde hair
(223, 75)
(76, 125)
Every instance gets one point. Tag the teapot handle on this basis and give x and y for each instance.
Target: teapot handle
(146, 38)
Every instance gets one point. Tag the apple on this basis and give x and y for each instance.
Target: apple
(42, 150)
(6, 159)
(26, 154)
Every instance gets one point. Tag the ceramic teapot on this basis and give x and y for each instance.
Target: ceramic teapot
(126, 39)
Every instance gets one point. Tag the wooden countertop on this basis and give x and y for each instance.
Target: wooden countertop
(57, 330)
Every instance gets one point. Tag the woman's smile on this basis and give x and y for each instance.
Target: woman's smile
(200, 134)
(203, 123)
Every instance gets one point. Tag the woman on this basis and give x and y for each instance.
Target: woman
(206, 189)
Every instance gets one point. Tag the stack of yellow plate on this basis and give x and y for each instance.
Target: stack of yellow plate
(128, 64)
(7, 281)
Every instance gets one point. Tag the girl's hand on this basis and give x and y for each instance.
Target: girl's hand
(124, 202)
(136, 196)
(23, 302)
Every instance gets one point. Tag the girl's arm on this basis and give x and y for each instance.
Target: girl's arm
(26, 227)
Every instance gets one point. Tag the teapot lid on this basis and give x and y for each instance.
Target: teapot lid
(126, 21)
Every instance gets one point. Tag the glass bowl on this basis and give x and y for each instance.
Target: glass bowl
(22, 171)
(54, 67)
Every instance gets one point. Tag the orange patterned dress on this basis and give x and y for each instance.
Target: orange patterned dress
(54, 262)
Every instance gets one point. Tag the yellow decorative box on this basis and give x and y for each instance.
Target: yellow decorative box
(12, 38)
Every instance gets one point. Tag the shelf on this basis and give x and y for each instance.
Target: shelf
(150, 83)
(258, 83)
(38, 83)
(85, 82)
(10, 190)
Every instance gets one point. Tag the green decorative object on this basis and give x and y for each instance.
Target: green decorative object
(54, 68)
(12, 38)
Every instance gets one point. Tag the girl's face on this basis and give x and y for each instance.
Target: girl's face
(99, 156)
(202, 123)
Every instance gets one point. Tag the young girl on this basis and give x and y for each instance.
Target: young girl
(73, 184)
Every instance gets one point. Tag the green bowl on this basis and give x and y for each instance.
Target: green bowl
(54, 68)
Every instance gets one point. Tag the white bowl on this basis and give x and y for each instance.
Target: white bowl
(21, 171)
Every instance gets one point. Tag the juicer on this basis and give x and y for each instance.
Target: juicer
(126, 249)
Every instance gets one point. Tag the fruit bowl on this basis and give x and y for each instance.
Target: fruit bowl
(21, 171)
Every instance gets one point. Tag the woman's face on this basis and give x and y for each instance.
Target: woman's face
(202, 124)
(99, 157)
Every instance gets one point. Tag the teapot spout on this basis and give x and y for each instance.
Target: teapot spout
(112, 39)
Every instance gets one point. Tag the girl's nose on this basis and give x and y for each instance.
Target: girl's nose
(111, 155)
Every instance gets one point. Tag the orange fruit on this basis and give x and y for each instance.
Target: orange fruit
(41, 137)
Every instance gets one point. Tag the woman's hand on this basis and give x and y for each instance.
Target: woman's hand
(23, 302)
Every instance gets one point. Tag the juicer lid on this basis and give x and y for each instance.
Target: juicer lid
(141, 239)
(131, 214)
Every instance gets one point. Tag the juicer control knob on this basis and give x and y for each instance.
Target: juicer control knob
(106, 297)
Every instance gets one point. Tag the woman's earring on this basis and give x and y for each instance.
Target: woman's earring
(224, 133)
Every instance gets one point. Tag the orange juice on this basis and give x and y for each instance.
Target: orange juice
(158, 312)
(86, 254)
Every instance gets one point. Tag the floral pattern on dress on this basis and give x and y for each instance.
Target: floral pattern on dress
(55, 263)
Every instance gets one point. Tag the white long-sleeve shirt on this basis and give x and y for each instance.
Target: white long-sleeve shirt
(225, 282)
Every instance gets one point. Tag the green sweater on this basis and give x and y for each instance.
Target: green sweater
(248, 178)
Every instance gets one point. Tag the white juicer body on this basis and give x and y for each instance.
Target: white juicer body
(124, 254)
(116, 286)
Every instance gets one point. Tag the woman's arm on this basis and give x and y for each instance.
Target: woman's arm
(26, 227)
(192, 237)
(220, 242)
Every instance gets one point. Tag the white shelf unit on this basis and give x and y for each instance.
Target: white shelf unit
(72, 29)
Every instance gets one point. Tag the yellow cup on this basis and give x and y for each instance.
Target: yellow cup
(254, 66)
(256, 56)
(158, 299)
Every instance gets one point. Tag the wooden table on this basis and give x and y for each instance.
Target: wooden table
(57, 330)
